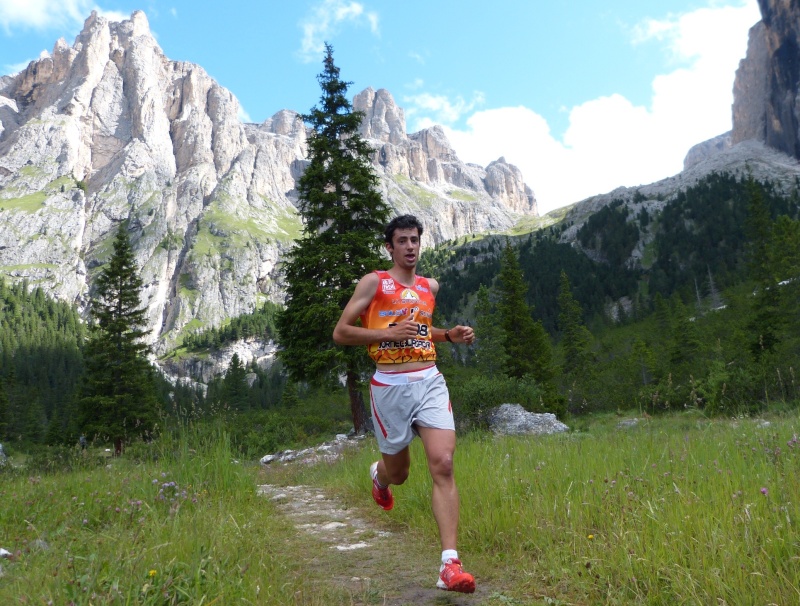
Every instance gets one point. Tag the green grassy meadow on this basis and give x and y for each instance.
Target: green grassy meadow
(677, 509)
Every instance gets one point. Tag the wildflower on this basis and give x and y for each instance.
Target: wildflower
(152, 573)
(590, 537)
(764, 491)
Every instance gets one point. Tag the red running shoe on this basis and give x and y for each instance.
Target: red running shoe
(453, 578)
(382, 495)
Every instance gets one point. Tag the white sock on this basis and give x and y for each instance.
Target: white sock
(378, 483)
(449, 554)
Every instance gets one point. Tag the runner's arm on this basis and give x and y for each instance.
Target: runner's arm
(457, 334)
(346, 331)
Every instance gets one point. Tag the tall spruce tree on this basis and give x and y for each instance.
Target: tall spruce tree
(118, 395)
(767, 320)
(490, 352)
(343, 215)
(527, 343)
(235, 388)
(575, 337)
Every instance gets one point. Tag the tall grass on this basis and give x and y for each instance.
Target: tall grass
(184, 527)
(677, 510)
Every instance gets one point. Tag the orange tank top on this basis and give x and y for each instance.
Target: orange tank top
(393, 301)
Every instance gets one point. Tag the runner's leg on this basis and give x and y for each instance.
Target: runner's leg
(440, 445)
(393, 468)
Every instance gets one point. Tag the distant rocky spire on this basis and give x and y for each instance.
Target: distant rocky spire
(766, 104)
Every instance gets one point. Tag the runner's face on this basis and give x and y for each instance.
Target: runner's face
(404, 248)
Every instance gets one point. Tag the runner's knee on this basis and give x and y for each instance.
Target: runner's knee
(442, 466)
(397, 476)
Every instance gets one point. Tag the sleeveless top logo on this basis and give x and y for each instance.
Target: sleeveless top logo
(393, 302)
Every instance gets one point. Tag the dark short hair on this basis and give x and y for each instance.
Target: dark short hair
(401, 222)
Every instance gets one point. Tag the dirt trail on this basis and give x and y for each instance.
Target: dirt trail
(381, 565)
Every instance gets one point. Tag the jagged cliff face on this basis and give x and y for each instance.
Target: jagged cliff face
(766, 105)
(111, 130)
(420, 169)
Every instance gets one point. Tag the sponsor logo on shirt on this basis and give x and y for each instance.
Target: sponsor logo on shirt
(388, 287)
(402, 312)
(409, 296)
(412, 343)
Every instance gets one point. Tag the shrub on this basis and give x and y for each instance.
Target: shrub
(473, 397)
(59, 459)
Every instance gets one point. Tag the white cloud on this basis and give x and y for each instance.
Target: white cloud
(244, 116)
(326, 20)
(610, 141)
(15, 68)
(46, 14)
(417, 57)
(427, 109)
(117, 16)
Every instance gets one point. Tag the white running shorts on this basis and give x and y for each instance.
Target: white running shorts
(401, 400)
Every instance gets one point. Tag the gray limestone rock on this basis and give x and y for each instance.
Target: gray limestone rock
(706, 149)
(422, 174)
(767, 87)
(513, 419)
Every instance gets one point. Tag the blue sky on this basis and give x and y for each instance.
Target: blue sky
(583, 96)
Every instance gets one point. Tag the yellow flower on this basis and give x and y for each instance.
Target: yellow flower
(590, 537)
(152, 573)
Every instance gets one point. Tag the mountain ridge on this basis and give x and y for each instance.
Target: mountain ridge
(109, 130)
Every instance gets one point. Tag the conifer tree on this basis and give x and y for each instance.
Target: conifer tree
(786, 246)
(490, 351)
(715, 297)
(527, 343)
(685, 342)
(343, 215)
(118, 395)
(235, 388)
(645, 360)
(4, 412)
(767, 320)
(575, 337)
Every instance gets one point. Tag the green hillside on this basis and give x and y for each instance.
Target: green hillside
(705, 316)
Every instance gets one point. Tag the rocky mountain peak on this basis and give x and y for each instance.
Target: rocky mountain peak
(110, 132)
(766, 105)
(383, 119)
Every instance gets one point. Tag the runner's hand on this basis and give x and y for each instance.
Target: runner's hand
(462, 334)
(407, 328)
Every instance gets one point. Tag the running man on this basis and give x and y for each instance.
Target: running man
(408, 394)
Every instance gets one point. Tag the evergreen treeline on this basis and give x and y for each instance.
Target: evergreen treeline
(704, 230)
(541, 258)
(260, 323)
(40, 362)
(687, 341)
(609, 232)
(698, 240)
(715, 323)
